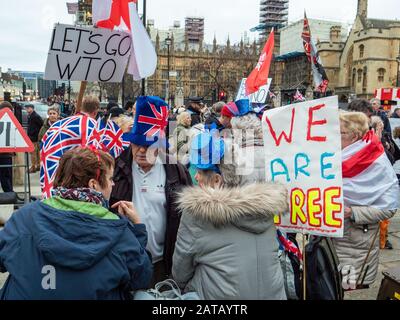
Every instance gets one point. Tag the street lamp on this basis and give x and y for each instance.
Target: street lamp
(168, 42)
(144, 24)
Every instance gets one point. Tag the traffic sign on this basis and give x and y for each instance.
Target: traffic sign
(12, 136)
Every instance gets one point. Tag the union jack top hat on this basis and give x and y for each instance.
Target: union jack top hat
(151, 120)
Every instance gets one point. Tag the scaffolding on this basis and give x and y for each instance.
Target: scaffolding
(273, 14)
(194, 29)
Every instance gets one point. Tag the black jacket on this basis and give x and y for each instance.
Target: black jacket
(35, 123)
(177, 176)
(195, 115)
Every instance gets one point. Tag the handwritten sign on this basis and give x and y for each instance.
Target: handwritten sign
(257, 97)
(87, 54)
(303, 151)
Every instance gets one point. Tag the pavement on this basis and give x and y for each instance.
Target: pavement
(388, 258)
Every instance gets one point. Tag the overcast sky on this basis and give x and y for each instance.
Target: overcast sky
(25, 25)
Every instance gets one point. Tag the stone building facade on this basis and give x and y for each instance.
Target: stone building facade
(200, 70)
(367, 60)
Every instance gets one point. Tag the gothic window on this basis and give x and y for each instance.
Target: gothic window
(381, 75)
(365, 79)
(164, 74)
(361, 47)
(353, 79)
(359, 75)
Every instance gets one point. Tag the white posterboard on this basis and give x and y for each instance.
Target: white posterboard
(303, 151)
(257, 97)
(87, 54)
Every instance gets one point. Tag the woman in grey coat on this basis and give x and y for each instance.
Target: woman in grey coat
(226, 247)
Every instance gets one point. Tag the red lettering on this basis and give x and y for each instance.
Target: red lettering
(315, 123)
(283, 134)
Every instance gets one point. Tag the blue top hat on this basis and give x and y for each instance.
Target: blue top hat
(207, 150)
(151, 120)
(243, 107)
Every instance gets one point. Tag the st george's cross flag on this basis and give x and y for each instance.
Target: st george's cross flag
(122, 14)
(259, 76)
(368, 176)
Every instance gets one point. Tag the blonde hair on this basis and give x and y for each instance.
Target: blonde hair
(124, 122)
(355, 122)
(181, 117)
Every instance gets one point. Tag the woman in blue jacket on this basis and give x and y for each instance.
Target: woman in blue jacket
(71, 246)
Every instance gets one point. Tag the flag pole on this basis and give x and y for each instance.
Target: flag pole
(304, 268)
(80, 96)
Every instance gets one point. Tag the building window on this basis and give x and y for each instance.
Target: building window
(353, 79)
(381, 75)
(365, 79)
(193, 74)
(359, 75)
(164, 74)
(193, 90)
(361, 47)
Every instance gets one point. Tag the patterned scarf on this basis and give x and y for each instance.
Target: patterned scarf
(81, 194)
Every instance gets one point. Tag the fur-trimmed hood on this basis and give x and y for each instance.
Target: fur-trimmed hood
(250, 207)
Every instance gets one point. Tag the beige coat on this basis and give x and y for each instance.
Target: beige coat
(226, 246)
(353, 248)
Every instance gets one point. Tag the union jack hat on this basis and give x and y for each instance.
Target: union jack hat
(151, 120)
(238, 108)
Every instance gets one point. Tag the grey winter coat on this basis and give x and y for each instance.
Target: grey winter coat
(353, 248)
(226, 246)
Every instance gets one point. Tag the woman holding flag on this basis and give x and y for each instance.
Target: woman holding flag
(71, 246)
(366, 203)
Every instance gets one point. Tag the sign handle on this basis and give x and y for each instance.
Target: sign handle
(80, 96)
(304, 268)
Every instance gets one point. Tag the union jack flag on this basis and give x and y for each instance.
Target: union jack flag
(288, 245)
(158, 121)
(111, 138)
(72, 132)
(298, 96)
(62, 136)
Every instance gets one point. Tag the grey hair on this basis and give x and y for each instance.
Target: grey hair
(249, 124)
(375, 100)
(53, 108)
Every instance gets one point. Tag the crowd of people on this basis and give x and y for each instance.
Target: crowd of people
(189, 201)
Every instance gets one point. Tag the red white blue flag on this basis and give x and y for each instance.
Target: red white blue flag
(72, 132)
(320, 78)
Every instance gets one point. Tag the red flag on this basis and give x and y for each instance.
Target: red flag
(259, 76)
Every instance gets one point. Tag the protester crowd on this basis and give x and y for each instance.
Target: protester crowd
(188, 202)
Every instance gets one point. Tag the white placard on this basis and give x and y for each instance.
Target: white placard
(87, 54)
(257, 97)
(303, 151)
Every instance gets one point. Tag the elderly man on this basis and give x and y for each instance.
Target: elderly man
(376, 105)
(151, 179)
